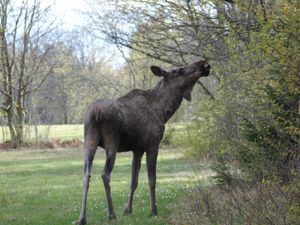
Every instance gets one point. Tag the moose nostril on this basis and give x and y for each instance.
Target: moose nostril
(206, 66)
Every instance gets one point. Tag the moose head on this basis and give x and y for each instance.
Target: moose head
(183, 79)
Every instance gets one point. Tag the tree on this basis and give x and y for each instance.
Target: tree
(24, 34)
(169, 31)
(80, 74)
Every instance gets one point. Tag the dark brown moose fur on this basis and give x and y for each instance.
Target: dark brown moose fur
(135, 122)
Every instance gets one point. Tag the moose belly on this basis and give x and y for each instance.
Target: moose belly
(139, 139)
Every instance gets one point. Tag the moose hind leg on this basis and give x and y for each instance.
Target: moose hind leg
(90, 148)
(135, 168)
(109, 165)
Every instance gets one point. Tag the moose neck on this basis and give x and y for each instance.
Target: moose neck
(165, 100)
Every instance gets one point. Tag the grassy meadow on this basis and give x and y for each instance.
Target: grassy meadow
(44, 187)
(64, 132)
(47, 132)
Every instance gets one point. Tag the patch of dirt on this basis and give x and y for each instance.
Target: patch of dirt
(53, 144)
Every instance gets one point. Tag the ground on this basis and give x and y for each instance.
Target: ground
(44, 187)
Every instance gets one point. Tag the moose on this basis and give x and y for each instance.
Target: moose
(135, 122)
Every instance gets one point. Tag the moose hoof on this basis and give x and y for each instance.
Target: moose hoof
(153, 213)
(81, 221)
(127, 211)
(112, 217)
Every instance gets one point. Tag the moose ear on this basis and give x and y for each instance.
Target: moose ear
(157, 71)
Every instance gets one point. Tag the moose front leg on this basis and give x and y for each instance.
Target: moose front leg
(135, 168)
(151, 169)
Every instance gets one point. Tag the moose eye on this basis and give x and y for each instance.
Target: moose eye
(181, 71)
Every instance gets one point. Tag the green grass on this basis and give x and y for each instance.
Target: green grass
(47, 132)
(44, 187)
(63, 131)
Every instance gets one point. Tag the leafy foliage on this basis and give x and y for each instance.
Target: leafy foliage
(256, 112)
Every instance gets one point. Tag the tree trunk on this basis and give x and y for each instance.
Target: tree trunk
(6, 70)
(20, 128)
(10, 123)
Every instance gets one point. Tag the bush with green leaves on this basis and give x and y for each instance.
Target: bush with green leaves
(252, 128)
